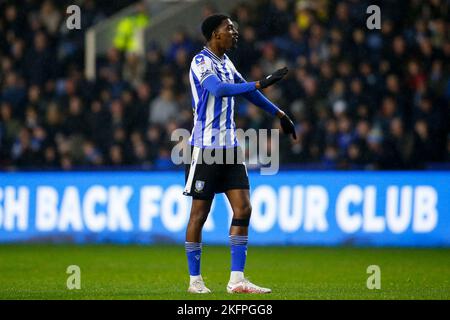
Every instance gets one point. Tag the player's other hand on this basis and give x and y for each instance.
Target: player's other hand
(288, 126)
(272, 78)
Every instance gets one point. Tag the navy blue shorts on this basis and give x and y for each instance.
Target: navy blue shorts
(204, 177)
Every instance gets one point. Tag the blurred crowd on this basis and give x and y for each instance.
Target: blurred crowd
(361, 99)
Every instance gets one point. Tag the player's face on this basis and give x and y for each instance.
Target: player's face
(228, 34)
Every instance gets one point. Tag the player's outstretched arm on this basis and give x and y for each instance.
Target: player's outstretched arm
(222, 89)
(287, 125)
(258, 99)
(272, 78)
(219, 88)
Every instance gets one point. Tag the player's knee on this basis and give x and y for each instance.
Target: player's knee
(243, 212)
(199, 217)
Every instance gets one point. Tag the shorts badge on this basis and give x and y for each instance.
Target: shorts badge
(199, 185)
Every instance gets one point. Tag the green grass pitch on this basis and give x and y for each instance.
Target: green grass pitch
(160, 272)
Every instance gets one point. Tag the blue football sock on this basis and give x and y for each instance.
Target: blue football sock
(193, 253)
(238, 252)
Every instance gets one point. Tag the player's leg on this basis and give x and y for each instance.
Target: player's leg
(200, 182)
(199, 213)
(240, 203)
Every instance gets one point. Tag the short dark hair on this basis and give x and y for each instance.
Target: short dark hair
(211, 23)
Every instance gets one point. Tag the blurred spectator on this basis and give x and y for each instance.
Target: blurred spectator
(74, 123)
(40, 66)
(276, 18)
(23, 152)
(126, 38)
(14, 92)
(133, 69)
(91, 155)
(180, 41)
(116, 156)
(163, 107)
(50, 17)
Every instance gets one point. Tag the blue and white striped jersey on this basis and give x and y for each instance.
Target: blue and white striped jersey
(214, 125)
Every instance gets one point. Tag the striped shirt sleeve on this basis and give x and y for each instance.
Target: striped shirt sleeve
(202, 66)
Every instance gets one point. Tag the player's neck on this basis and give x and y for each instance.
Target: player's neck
(216, 50)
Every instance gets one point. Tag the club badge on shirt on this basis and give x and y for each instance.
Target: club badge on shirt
(199, 60)
(201, 64)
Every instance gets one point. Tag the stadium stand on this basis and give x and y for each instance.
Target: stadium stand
(362, 99)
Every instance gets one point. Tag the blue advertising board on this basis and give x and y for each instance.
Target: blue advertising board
(290, 208)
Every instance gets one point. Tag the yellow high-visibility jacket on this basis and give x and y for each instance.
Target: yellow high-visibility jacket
(125, 39)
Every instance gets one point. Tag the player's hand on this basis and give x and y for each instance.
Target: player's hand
(288, 126)
(272, 78)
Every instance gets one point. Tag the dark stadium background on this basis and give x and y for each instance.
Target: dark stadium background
(362, 99)
(366, 103)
